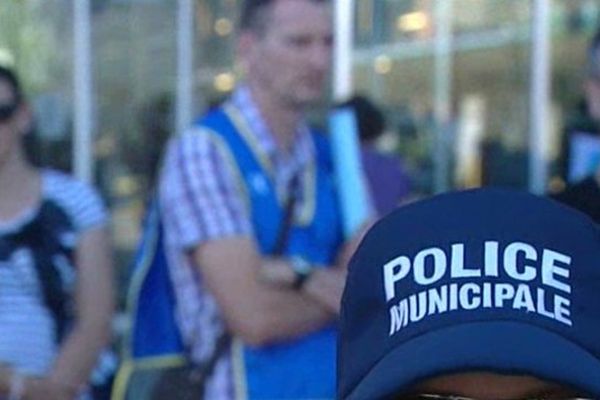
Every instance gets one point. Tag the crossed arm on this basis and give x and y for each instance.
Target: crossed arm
(196, 177)
(259, 312)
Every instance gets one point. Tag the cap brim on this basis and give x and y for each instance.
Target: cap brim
(498, 346)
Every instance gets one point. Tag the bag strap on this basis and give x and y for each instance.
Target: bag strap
(40, 236)
(288, 217)
(203, 371)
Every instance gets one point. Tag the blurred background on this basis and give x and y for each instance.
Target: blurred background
(109, 80)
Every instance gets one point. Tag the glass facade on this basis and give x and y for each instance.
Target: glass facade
(484, 66)
(134, 71)
(453, 78)
(483, 76)
(35, 38)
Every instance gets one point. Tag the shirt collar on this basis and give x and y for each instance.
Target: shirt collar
(301, 150)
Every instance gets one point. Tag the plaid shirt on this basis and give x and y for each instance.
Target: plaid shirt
(201, 202)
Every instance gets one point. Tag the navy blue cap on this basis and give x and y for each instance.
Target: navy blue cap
(481, 280)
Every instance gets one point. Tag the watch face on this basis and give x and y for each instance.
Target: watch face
(300, 265)
(302, 270)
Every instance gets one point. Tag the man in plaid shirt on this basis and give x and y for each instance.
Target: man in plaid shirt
(224, 189)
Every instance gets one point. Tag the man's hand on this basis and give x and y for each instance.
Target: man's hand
(276, 272)
(256, 312)
(347, 250)
(326, 285)
(323, 284)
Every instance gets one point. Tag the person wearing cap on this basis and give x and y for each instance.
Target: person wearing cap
(483, 294)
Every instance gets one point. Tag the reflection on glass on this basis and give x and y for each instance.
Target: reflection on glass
(486, 137)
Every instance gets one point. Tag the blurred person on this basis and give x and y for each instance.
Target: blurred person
(155, 120)
(252, 229)
(387, 178)
(584, 194)
(481, 294)
(56, 294)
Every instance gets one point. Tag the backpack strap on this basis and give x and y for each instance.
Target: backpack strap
(42, 236)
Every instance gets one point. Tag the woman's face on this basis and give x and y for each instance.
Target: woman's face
(13, 120)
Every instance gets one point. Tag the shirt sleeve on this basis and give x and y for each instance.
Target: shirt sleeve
(81, 200)
(92, 214)
(200, 195)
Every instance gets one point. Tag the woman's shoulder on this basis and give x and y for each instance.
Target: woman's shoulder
(80, 200)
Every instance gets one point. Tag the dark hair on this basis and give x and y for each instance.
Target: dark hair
(30, 141)
(9, 76)
(369, 118)
(254, 14)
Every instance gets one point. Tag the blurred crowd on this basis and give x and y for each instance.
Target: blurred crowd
(235, 289)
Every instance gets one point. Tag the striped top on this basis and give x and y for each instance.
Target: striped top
(28, 340)
(201, 202)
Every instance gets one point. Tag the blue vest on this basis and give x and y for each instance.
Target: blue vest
(304, 367)
(298, 368)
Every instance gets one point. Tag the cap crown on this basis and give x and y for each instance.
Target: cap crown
(480, 255)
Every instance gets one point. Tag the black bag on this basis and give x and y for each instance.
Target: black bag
(188, 381)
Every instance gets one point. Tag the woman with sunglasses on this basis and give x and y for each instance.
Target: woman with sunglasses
(56, 295)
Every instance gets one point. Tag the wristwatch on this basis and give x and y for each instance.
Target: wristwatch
(302, 270)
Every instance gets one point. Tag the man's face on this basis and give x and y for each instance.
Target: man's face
(489, 386)
(290, 59)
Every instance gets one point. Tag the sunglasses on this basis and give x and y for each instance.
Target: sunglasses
(7, 111)
(424, 396)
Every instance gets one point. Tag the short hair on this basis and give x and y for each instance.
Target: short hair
(254, 14)
(9, 76)
(369, 118)
(30, 141)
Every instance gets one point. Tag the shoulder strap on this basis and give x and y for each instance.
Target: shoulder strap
(266, 210)
(287, 219)
(42, 235)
